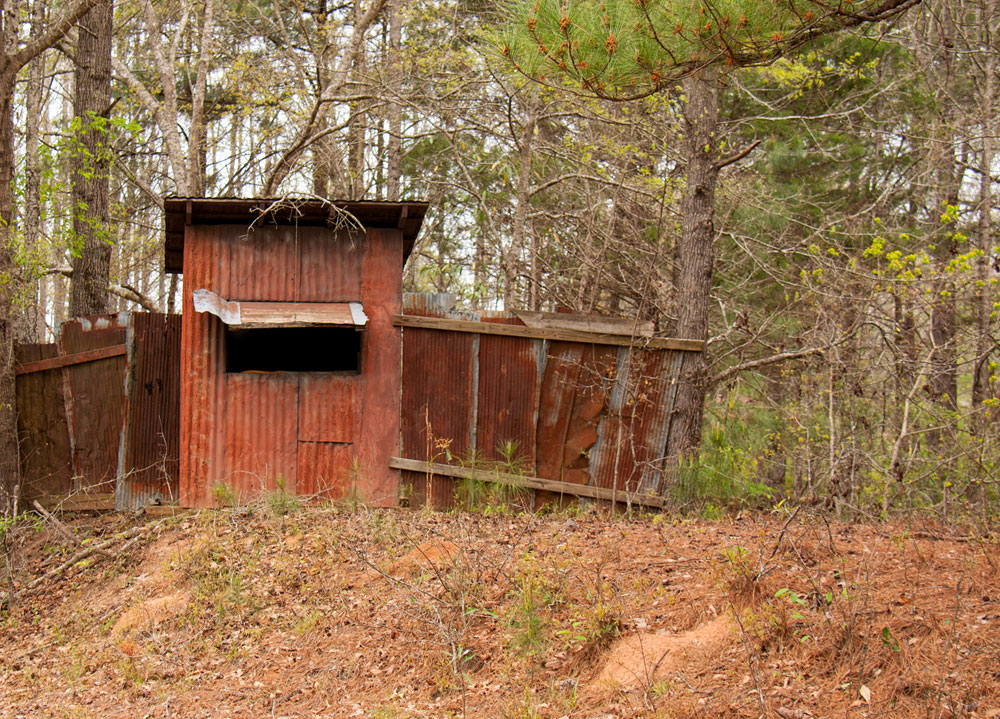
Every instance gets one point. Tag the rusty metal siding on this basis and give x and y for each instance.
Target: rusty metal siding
(263, 263)
(595, 415)
(260, 422)
(379, 432)
(203, 399)
(438, 402)
(326, 470)
(508, 381)
(149, 456)
(43, 433)
(625, 449)
(326, 407)
(94, 394)
(329, 422)
(330, 265)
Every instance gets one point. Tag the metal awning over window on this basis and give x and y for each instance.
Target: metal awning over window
(249, 315)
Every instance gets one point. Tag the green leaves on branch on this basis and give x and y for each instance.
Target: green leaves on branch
(626, 49)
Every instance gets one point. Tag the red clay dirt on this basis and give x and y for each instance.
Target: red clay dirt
(331, 612)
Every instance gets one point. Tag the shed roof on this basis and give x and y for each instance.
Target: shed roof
(182, 211)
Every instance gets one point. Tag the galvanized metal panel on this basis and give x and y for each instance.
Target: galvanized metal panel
(508, 380)
(43, 434)
(260, 422)
(203, 399)
(94, 395)
(326, 407)
(149, 456)
(326, 470)
(330, 265)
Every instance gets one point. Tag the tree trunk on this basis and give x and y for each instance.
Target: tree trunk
(694, 259)
(9, 456)
(394, 148)
(981, 389)
(91, 164)
(520, 229)
(943, 380)
(32, 326)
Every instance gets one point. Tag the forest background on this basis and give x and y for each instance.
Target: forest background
(851, 276)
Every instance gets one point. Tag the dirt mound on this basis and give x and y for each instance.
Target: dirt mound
(640, 660)
(434, 556)
(151, 612)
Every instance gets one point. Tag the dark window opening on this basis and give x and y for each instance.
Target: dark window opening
(293, 349)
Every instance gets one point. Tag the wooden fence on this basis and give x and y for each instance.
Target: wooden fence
(98, 412)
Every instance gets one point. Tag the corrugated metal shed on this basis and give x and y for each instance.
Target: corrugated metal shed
(324, 433)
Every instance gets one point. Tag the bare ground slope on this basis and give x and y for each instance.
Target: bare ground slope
(337, 613)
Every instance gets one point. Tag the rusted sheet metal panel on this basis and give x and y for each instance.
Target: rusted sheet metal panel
(203, 399)
(260, 421)
(381, 291)
(439, 393)
(94, 392)
(439, 398)
(330, 265)
(326, 407)
(149, 455)
(326, 470)
(263, 264)
(508, 382)
(659, 391)
(46, 458)
(626, 445)
(573, 398)
(415, 487)
(559, 392)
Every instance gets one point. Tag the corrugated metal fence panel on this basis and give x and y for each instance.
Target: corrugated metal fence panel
(508, 383)
(625, 447)
(558, 394)
(96, 397)
(589, 414)
(438, 403)
(330, 265)
(206, 265)
(261, 426)
(46, 458)
(150, 458)
(592, 385)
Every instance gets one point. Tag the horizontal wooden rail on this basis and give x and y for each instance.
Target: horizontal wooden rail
(547, 333)
(67, 360)
(516, 480)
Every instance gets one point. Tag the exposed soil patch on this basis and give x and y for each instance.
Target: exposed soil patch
(390, 613)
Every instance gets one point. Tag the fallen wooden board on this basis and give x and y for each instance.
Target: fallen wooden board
(516, 480)
(550, 333)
